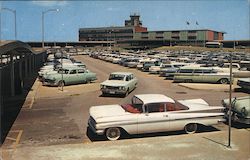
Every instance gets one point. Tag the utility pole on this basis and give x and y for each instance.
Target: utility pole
(230, 105)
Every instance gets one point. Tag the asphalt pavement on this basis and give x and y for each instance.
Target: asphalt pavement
(202, 146)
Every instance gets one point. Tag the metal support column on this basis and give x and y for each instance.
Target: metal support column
(1, 103)
(30, 65)
(21, 70)
(26, 65)
(33, 63)
(12, 75)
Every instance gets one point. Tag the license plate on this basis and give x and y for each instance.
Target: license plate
(111, 92)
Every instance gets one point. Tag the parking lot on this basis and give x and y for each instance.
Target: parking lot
(60, 117)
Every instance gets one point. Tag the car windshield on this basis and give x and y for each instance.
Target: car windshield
(132, 108)
(116, 77)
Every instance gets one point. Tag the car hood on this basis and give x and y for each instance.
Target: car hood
(114, 83)
(240, 105)
(104, 111)
(47, 74)
(51, 76)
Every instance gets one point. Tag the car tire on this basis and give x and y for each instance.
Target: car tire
(104, 94)
(191, 128)
(88, 81)
(61, 83)
(113, 133)
(223, 81)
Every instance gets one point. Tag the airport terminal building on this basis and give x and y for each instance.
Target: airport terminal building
(133, 30)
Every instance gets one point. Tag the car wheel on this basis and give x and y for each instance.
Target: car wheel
(113, 134)
(223, 81)
(104, 94)
(61, 83)
(88, 81)
(190, 128)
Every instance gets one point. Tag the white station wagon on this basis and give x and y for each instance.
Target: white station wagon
(150, 113)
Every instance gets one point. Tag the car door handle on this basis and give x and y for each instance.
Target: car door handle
(165, 115)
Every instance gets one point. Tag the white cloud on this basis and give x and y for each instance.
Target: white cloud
(50, 3)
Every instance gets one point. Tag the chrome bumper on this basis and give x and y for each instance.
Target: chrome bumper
(98, 132)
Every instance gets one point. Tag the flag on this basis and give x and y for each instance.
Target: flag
(196, 23)
(187, 22)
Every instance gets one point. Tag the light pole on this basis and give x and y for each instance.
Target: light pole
(14, 12)
(49, 10)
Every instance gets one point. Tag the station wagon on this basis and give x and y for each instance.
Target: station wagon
(201, 74)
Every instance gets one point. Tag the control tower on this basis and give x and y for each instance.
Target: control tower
(134, 21)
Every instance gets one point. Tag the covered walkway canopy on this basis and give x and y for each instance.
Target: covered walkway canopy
(18, 67)
(17, 61)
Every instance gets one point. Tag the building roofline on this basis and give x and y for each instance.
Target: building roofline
(187, 30)
(131, 27)
(111, 27)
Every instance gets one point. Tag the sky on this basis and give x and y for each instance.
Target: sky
(230, 16)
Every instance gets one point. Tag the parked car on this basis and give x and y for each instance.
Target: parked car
(226, 67)
(201, 74)
(132, 63)
(119, 83)
(69, 76)
(148, 64)
(150, 113)
(55, 68)
(244, 83)
(240, 109)
(124, 59)
(156, 69)
(170, 68)
(141, 62)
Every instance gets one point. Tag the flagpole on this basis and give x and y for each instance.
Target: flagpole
(197, 24)
(187, 32)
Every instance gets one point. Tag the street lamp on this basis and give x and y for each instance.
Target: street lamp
(14, 12)
(49, 10)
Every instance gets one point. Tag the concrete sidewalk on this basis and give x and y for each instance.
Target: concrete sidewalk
(200, 146)
(206, 86)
